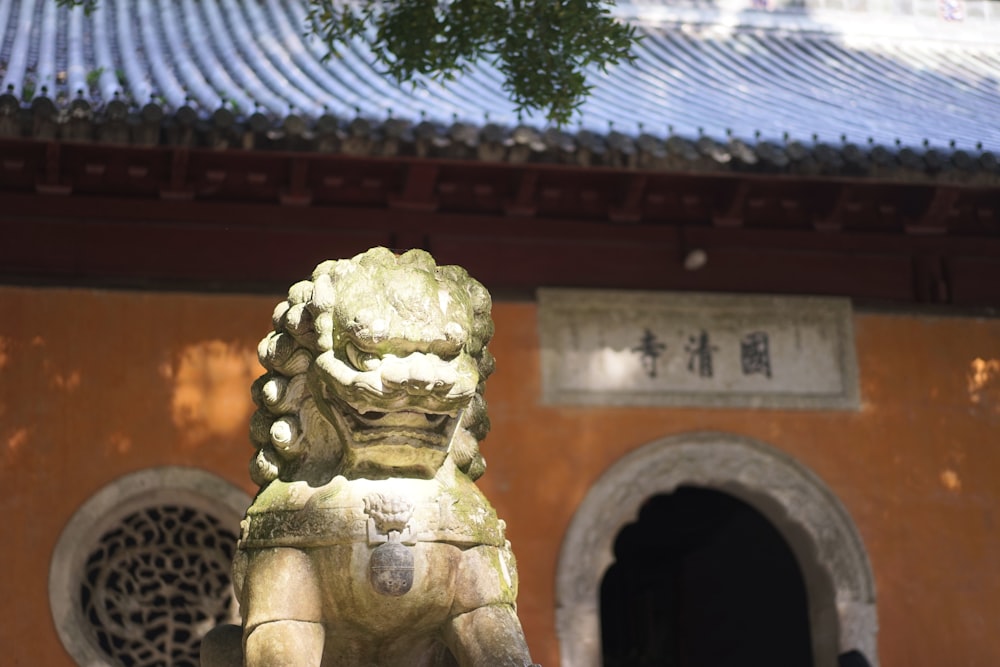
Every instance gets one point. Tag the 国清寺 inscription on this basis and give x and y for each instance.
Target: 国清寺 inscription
(647, 348)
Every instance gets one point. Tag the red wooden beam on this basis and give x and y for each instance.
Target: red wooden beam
(202, 219)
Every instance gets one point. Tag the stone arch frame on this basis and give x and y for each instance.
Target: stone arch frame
(835, 567)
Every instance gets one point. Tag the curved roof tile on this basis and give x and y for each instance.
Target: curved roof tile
(743, 78)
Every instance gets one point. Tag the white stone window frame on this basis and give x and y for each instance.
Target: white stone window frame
(812, 520)
(166, 485)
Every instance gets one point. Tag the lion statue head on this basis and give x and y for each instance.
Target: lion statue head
(375, 368)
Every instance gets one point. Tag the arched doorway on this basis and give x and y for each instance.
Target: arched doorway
(816, 527)
(702, 578)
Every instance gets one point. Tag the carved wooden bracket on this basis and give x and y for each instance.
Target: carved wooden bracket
(729, 212)
(524, 203)
(418, 189)
(178, 188)
(630, 209)
(297, 193)
(845, 204)
(53, 185)
(934, 218)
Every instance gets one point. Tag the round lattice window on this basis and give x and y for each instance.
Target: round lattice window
(142, 571)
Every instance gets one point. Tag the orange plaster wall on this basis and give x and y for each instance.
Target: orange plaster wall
(917, 468)
(94, 385)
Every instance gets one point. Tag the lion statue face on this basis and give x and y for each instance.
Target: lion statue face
(375, 369)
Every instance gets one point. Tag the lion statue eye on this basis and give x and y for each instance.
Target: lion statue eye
(361, 360)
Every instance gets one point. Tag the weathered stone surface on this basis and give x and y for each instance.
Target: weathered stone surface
(369, 543)
(390, 569)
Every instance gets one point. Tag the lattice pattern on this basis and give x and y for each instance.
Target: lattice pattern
(156, 583)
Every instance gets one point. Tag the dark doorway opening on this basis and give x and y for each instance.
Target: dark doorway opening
(702, 579)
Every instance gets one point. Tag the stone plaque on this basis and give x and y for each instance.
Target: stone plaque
(602, 347)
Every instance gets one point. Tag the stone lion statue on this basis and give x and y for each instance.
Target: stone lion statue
(368, 543)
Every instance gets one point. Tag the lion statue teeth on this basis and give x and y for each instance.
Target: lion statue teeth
(369, 543)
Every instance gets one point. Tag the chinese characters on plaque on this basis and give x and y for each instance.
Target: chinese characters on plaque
(755, 356)
(645, 348)
(650, 349)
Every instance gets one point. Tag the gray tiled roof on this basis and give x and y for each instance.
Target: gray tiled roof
(715, 83)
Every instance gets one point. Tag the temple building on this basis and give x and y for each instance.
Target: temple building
(748, 354)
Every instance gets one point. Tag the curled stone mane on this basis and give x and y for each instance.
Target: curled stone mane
(294, 439)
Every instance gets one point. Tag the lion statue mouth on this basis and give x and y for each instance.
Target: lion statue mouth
(383, 405)
(413, 427)
(404, 419)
